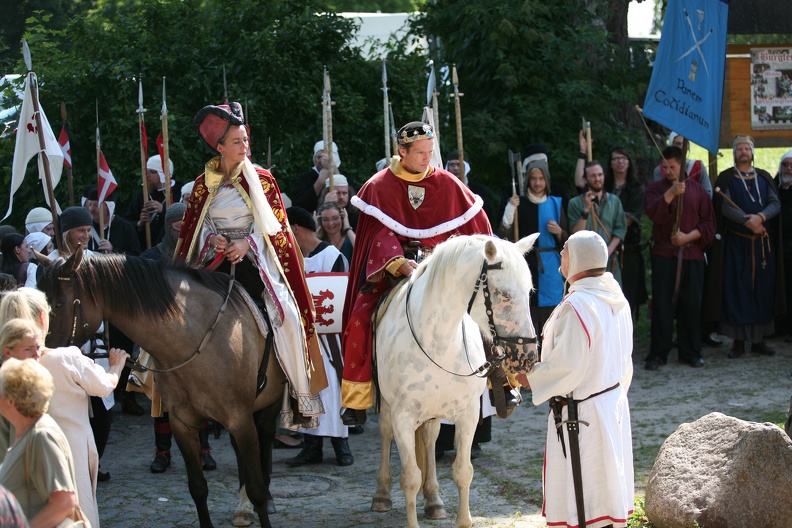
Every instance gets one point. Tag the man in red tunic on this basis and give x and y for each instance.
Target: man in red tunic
(406, 210)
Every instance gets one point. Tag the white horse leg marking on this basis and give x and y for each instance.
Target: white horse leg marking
(243, 515)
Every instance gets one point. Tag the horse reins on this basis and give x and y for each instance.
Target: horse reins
(483, 285)
(134, 365)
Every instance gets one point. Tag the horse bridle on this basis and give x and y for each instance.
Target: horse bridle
(496, 360)
(134, 365)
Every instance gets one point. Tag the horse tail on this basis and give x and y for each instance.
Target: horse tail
(420, 453)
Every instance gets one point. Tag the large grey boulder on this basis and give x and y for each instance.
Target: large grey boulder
(723, 473)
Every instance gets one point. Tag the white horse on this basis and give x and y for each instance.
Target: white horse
(428, 347)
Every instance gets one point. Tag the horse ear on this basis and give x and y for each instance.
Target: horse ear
(42, 259)
(490, 250)
(73, 262)
(526, 244)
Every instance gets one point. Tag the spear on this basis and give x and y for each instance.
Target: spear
(225, 87)
(42, 145)
(141, 124)
(394, 141)
(385, 112)
(589, 150)
(458, 109)
(165, 151)
(69, 179)
(515, 161)
(98, 172)
(328, 135)
(435, 110)
(269, 153)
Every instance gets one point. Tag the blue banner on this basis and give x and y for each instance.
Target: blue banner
(686, 90)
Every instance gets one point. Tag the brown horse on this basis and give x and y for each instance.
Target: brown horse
(207, 354)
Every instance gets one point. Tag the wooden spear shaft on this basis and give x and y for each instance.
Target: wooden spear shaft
(385, 113)
(45, 159)
(98, 169)
(329, 141)
(458, 111)
(143, 153)
(69, 178)
(165, 149)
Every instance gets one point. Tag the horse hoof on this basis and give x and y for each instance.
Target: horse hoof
(381, 505)
(435, 512)
(271, 507)
(242, 519)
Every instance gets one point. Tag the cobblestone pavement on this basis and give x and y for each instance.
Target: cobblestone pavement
(506, 489)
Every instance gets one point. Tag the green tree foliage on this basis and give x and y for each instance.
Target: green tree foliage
(274, 54)
(375, 6)
(530, 69)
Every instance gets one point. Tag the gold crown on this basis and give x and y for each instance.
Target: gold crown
(416, 134)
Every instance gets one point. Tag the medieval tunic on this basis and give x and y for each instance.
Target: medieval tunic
(749, 262)
(396, 210)
(326, 258)
(532, 217)
(633, 281)
(697, 213)
(228, 208)
(611, 224)
(587, 347)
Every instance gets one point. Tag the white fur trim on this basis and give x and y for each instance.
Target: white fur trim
(409, 232)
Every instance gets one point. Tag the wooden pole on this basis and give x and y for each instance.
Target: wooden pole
(589, 150)
(328, 141)
(385, 111)
(165, 149)
(143, 155)
(458, 111)
(436, 108)
(31, 78)
(98, 168)
(69, 178)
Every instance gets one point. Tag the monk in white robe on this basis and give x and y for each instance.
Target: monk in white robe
(586, 355)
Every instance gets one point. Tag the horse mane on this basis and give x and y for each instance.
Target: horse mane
(443, 265)
(134, 287)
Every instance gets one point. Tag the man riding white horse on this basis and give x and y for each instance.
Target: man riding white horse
(406, 210)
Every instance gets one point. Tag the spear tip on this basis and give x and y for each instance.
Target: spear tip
(26, 55)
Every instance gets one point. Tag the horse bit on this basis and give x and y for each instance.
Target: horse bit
(497, 358)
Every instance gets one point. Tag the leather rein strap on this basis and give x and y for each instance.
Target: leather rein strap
(495, 361)
(134, 365)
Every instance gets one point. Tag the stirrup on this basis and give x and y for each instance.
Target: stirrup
(503, 407)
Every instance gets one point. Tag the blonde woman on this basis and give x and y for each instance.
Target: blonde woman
(38, 469)
(76, 377)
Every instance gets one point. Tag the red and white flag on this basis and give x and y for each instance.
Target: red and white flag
(27, 146)
(107, 183)
(63, 141)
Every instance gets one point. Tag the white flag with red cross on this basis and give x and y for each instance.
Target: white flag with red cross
(63, 141)
(28, 145)
(107, 183)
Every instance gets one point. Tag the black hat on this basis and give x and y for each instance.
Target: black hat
(415, 131)
(301, 217)
(72, 217)
(213, 121)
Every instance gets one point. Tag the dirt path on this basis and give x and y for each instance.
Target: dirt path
(506, 489)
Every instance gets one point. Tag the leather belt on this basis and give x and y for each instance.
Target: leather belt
(573, 428)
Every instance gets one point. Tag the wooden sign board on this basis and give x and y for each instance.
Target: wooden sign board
(737, 103)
